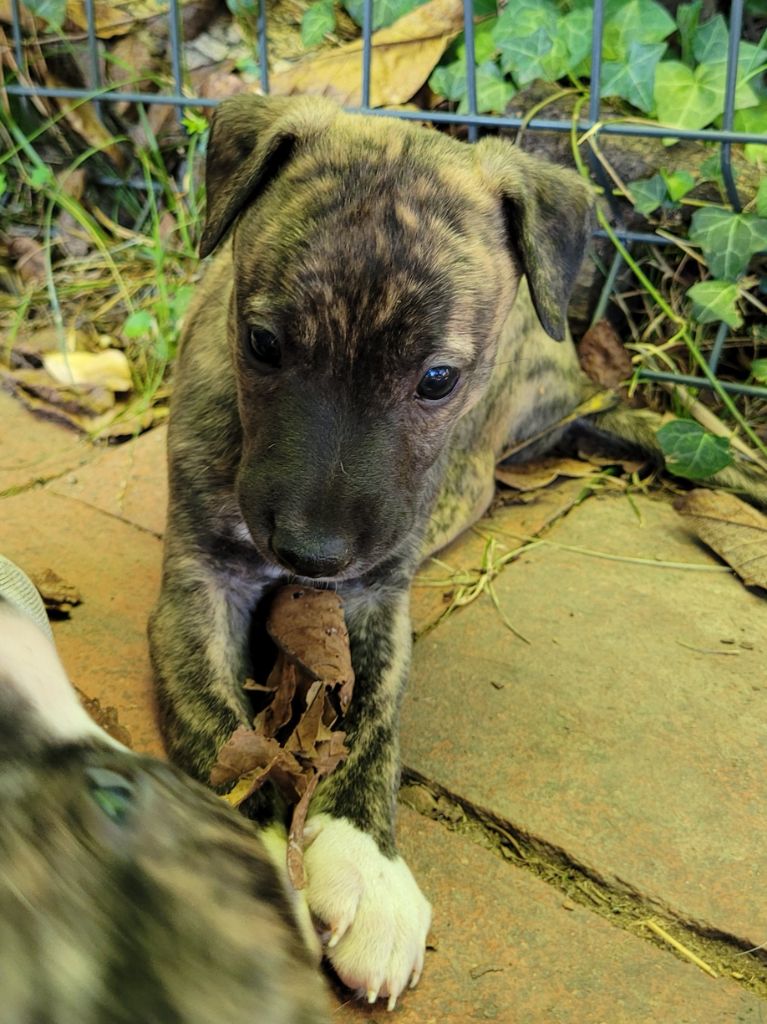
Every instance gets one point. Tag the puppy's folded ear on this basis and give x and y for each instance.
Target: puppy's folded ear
(251, 139)
(548, 213)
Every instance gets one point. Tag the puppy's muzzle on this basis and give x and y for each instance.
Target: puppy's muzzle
(310, 554)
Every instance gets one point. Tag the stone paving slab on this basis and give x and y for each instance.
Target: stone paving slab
(614, 734)
(531, 514)
(508, 950)
(116, 568)
(32, 449)
(128, 481)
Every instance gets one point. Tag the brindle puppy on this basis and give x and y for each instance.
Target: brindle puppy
(383, 323)
(128, 893)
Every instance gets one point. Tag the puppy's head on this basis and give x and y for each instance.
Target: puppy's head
(375, 265)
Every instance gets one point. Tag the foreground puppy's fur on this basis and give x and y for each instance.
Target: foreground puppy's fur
(128, 894)
(353, 365)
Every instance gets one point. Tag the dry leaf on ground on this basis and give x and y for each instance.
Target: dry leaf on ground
(603, 356)
(296, 738)
(106, 717)
(28, 255)
(59, 596)
(532, 476)
(737, 532)
(108, 369)
(404, 55)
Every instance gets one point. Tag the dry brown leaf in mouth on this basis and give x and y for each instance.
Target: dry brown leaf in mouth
(297, 737)
(737, 532)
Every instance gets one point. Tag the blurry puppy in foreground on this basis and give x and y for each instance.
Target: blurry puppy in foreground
(128, 893)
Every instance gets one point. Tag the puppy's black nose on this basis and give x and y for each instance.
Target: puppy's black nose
(312, 556)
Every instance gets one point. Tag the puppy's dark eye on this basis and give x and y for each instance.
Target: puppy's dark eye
(263, 346)
(437, 382)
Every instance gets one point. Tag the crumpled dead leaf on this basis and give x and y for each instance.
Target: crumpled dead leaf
(403, 57)
(532, 476)
(603, 356)
(737, 532)
(59, 596)
(296, 739)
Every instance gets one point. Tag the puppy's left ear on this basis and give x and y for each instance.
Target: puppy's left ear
(548, 213)
(251, 140)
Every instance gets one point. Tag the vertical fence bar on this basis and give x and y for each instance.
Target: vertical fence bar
(367, 51)
(263, 46)
(18, 46)
(471, 65)
(597, 31)
(94, 81)
(174, 35)
(731, 82)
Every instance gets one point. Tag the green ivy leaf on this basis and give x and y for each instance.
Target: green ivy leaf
(522, 18)
(648, 193)
(692, 452)
(681, 99)
(633, 79)
(687, 18)
(710, 40)
(754, 119)
(484, 44)
(714, 302)
(761, 198)
(711, 169)
(139, 323)
(728, 239)
(678, 184)
(759, 370)
(633, 21)
(540, 55)
(494, 90)
(53, 12)
(449, 80)
(318, 19)
(575, 29)
(385, 12)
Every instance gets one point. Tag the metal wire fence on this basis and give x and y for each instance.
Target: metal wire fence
(180, 96)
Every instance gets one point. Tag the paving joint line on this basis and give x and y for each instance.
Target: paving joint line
(612, 899)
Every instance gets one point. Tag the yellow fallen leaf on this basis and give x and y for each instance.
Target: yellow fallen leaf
(403, 57)
(109, 368)
(737, 532)
(531, 476)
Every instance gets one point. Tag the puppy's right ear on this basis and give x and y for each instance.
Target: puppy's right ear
(251, 139)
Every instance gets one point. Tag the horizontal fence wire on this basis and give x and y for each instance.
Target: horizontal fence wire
(180, 97)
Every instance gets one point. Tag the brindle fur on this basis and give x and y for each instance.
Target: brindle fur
(150, 904)
(374, 249)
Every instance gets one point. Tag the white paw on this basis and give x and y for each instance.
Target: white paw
(377, 916)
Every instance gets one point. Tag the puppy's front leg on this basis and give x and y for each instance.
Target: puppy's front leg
(356, 882)
(198, 636)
